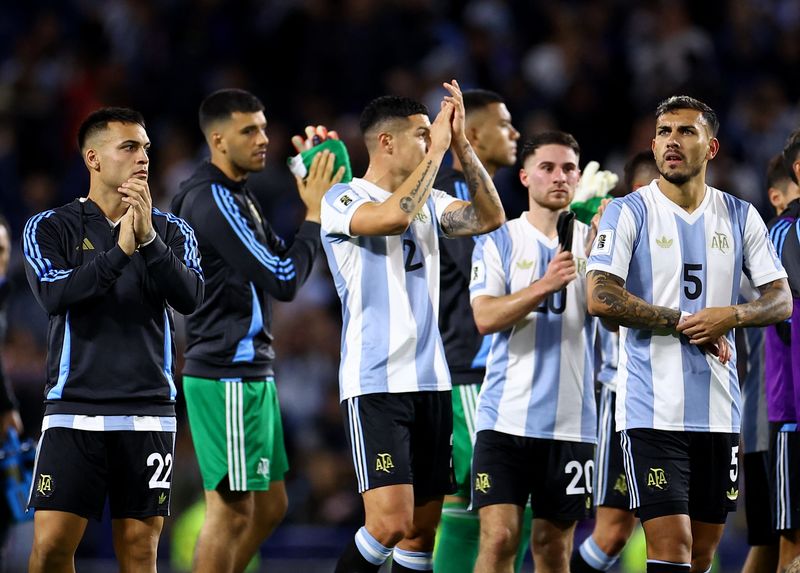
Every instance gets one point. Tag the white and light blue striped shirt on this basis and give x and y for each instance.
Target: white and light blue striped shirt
(688, 262)
(539, 374)
(389, 288)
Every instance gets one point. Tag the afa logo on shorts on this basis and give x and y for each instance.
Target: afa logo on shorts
(45, 485)
(384, 463)
(657, 480)
(482, 483)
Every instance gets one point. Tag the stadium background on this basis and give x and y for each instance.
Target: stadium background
(594, 68)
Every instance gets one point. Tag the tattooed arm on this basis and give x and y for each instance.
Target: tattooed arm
(393, 216)
(774, 305)
(608, 299)
(484, 212)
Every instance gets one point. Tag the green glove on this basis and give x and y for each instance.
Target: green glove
(300, 163)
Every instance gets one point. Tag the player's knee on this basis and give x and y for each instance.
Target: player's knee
(612, 539)
(50, 551)
(419, 538)
(269, 518)
(552, 545)
(499, 539)
(390, 529)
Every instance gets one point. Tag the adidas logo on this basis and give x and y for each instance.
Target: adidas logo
(87, 245)
(162, 498)
(524, 265)
(663, 242)
(733, 494)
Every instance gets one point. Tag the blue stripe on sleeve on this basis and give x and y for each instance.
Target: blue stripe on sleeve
(245, 350)
(191, 251)
(64, 363)
(41, 265)
(283, 269)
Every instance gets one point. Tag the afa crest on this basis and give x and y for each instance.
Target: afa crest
(384, 463)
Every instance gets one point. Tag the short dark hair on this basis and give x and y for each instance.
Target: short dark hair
(99, 119)
(644, 158)
(790, 153)
(389, 107)
(777, 174)
(548, 138)
(477, 99)
(687, 102)
(221, 104)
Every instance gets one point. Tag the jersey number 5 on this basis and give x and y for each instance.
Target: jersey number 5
(692, 285)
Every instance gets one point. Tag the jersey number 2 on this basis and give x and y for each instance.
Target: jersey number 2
(411, 251)
(163, 465)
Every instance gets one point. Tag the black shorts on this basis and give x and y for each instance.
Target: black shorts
(784, 447)
(76, 469)
(555, 474)
(404, 438)
(693, 473)
(611, 485)
(757, 506)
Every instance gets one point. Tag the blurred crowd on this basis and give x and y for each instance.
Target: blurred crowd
(594, 68)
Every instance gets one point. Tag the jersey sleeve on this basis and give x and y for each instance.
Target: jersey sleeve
(488, 275)
(272, 267)
(790, 258)
(338, 207)
(613, 246)
(761, 261)
(55, 283)
(173, 263)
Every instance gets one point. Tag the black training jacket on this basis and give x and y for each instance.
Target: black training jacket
(246, 265)
(110, 341)
(464, 347)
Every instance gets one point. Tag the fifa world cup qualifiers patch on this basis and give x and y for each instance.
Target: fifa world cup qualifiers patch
(603, 242)
(478, 274)
(343, 201)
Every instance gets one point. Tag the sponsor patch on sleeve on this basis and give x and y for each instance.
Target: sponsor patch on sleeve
(603, 242)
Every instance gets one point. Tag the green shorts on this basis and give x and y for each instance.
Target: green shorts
(237, 432)
(465, 412)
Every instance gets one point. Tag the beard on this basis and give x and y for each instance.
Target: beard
(679, 178)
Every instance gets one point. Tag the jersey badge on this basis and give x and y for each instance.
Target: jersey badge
(482, 483)
(524, 264)
(657, 478)
(384, 463)
(602, 244)
(720, 242)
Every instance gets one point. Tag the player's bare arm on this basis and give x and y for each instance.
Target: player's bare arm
(498, 313)
(393, 216)
(608, 299)
(774, 305)
(484, 212)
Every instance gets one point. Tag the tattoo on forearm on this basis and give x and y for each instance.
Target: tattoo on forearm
(411, 202)
(626, 309)
(461, 220)
(483, 196)
(774, 305)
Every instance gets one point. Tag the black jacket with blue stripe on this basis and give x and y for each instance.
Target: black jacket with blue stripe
(246, 265)
(464, 347)
(110, 340)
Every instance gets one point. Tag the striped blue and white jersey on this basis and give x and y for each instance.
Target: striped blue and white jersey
(689, 262)
(389, 288)
(540, 373)
(609, 357)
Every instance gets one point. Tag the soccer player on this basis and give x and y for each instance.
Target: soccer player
(536, 412)
(109, 270)
(666, 267)
(380, 235)
(614, 520)
(783, 372)
(229, 382)
(765, 370)
(494, 139)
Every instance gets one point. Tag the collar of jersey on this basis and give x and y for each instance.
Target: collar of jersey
(690, 218)
(370, 188)
(540, 237)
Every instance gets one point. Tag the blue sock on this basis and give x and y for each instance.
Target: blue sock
(370, 548)
(595, 557)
